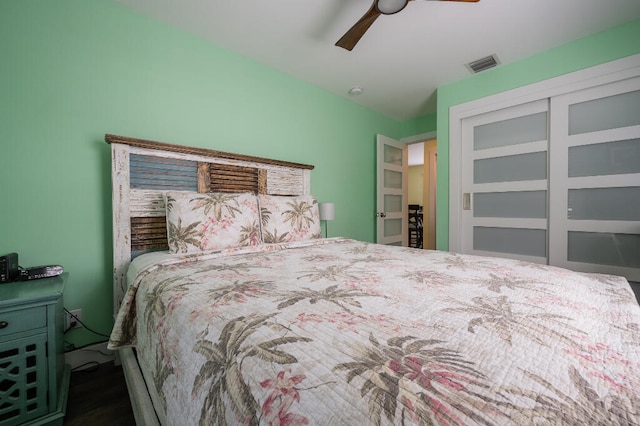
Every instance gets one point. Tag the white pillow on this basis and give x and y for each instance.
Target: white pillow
(289, 218)
(201, 222)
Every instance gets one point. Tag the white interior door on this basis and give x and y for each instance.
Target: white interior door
(595, 175)
(504, 182)
(391, 191)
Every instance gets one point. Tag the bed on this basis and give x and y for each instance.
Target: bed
(228, 315)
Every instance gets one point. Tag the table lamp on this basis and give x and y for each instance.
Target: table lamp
(327, 212)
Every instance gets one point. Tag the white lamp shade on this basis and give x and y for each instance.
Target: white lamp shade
(327, 211)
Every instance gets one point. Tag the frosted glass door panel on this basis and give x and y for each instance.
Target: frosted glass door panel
(392, 227)
(605, 248)
(529, 128)
(392, 179)
(522, 204)
(504, 167)
(393, 203)
(611, 158)
(527, 242)
(594, 179)
(611, 112)
(605, 204)
(511, 168)
(392, 155)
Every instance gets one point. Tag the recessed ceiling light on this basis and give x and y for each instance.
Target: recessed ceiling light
(356, 90)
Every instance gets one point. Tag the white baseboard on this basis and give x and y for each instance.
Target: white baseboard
(97, 353)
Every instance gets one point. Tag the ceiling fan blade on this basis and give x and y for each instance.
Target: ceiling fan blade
(466, 1)
(355, 33)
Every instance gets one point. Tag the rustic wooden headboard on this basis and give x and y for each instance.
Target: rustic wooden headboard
(143, 170)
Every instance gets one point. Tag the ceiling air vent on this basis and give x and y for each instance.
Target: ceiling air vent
(483, 64)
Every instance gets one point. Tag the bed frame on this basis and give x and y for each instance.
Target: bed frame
(142, 170)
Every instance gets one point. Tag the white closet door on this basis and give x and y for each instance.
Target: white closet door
(505, 183)
(595, 174)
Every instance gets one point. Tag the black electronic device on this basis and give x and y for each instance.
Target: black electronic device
(38, 272)
(9, 269)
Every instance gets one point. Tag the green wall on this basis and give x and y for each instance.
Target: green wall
(73, 70)
(419, 125)
(615, 43)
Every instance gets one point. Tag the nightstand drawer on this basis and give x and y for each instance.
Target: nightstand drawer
(23, 320)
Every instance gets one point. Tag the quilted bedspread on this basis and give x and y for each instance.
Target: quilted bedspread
(337, 331)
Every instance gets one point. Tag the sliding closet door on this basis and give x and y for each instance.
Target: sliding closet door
(504, 180)
(595, 176)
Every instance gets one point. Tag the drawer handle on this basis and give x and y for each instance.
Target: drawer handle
(3, 324)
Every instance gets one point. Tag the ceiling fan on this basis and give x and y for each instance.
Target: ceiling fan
(379, 7)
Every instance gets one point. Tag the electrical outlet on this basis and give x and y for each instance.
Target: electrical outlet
(73, 321)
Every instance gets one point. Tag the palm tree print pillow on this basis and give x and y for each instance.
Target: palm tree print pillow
(289, 218)
(202, 222)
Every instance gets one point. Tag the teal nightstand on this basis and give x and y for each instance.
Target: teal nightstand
(34, 380)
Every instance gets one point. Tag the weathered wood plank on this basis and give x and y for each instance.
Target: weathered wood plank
(162, 146)
(262, 181)
(121, 224)
(148, 172)
(270, 169)
(204, 177)
(148, 233)
(146, 203)
(285, 182)
(230, 178)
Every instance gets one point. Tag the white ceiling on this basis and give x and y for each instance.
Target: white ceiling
(403, 58)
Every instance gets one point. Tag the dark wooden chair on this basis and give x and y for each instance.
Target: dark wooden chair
(415, 226)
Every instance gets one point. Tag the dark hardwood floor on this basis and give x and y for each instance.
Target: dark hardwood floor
(636, 289)
(98, 396)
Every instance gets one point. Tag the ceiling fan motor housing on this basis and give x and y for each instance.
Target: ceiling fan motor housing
(389, 7)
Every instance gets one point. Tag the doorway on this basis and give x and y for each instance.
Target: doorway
(422, 161)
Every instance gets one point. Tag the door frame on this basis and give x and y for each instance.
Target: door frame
(429, 201)
(578, 80)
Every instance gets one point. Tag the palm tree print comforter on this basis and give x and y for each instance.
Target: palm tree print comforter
(338, 331)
